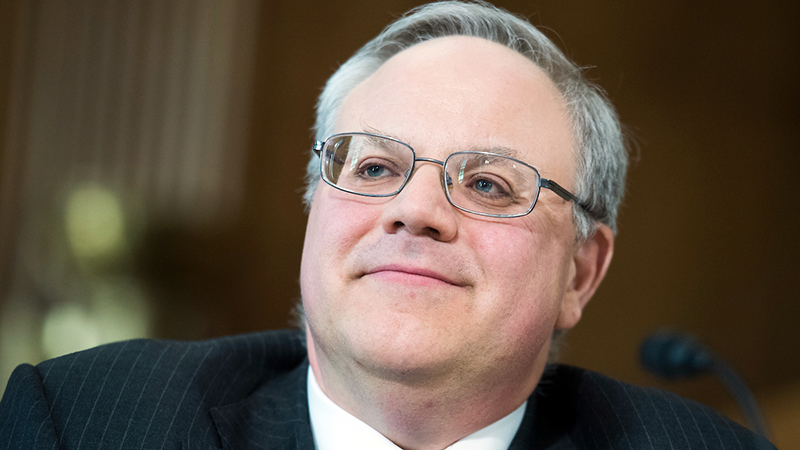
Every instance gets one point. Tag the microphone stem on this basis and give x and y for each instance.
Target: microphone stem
(742, 394)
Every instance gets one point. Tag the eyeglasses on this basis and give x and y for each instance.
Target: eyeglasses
(483, 183)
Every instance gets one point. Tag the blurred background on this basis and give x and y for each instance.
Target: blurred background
(152, 156)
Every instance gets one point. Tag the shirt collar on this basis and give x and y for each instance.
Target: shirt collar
(334, 428)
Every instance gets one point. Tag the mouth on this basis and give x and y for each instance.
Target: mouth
(411, 275)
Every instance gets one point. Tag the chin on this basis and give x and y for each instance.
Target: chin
(404, 353)
(407, 369)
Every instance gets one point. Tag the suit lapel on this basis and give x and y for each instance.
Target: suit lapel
(548, 419)
(275, 416)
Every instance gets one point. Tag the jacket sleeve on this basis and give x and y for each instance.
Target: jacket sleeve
(25, 420)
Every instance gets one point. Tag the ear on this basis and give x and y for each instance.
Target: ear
(589, 266)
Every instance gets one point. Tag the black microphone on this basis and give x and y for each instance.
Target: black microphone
(672, 355)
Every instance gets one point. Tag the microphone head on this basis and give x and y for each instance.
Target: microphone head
(673, 355)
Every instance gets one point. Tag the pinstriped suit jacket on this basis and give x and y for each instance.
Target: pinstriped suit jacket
(249, 392)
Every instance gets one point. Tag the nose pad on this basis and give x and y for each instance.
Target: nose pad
(447, 182)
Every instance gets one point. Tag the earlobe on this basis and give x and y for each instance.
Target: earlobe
(589, 266)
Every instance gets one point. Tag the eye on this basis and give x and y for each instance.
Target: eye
(489, 187)
(484, 185)
(375, 170)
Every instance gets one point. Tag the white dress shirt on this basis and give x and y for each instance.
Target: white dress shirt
(336, 429)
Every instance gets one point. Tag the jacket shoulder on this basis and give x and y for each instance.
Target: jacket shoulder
(140, 392)
(242, 361)
(602, 409)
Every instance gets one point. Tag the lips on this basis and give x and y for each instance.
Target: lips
(410, 273)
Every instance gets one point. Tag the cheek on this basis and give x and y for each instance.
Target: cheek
(336, 221)
(525, 272)
(335, 225)
(506, 253)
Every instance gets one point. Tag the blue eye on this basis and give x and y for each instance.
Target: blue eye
(375, 171)
(484, 185)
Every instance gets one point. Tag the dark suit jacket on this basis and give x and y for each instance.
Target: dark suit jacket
(249, 392)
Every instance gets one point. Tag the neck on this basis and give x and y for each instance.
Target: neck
(419, 412)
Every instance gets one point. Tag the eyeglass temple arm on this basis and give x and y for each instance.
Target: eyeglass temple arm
(563, 193)
(317, 147)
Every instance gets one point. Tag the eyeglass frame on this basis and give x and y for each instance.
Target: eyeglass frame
(546, 183)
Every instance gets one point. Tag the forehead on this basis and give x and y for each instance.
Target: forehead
(459, 93)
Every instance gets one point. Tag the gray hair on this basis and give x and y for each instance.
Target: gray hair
(601, 157)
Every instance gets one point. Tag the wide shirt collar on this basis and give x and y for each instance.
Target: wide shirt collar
(334, 428)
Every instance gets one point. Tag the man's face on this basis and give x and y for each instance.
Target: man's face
(409, 286)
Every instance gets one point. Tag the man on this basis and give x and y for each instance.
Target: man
(471, 178)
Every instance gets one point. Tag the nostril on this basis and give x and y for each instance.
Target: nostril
(426, 231)
(432, 232)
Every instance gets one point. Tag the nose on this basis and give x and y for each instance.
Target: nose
(421, 208)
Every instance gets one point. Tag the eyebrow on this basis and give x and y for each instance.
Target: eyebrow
(381, 142)
(372, 130)
(498, 149)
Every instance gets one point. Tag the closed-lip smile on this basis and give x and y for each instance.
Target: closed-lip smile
(410, 271)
